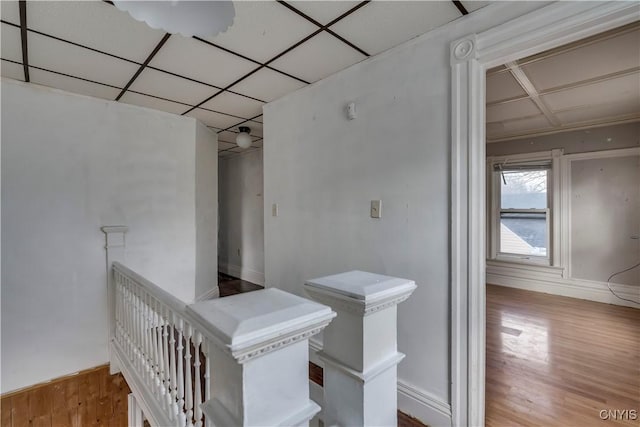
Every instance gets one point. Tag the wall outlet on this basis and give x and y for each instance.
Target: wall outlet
(376, 209)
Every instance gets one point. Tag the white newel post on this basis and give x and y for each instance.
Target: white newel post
(260, 357)
(114, 245)
(360, 347)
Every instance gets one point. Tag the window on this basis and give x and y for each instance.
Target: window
(522, 217)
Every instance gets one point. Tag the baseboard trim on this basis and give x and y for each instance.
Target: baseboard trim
(423, 405)
(509, 276)
(242, 273)
(212, 293)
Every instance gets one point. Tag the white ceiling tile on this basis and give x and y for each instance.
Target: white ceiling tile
(170, 87)
(11, 70)
(225, 153)
(11, 43)
(518, 126)
(323, 11)
(62, 57)
(600, 112)
(267, 85)
(502, 86)
(10, 11)
(586, 62)
(154, 103)
(95, 24)
(211, 118)
(473, 5)
(609, 91)
(200, 61)
(257, 119)
(256, 128)
(381, 25)
(511, 110)
(70, 84)
(227, 136)
(318, 58)
(237, 105)
(222, 145)
(263, 29)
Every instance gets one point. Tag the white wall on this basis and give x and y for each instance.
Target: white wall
(206, 205)
(71, 164)
(241, 233)
(605, 214)
(323, 170)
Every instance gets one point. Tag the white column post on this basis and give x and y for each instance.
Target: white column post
(360, 347)
(136, 417)
(260, 357)
(114, 245)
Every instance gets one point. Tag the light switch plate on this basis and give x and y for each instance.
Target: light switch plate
(274, 209)
(376, 209)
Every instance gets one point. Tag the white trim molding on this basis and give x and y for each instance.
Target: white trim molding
(243, 273)
(550, 280)
(549, 27)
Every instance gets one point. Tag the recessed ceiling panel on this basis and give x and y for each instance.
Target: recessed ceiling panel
(473, 5)
(227, 136)
(318, 58)
(511, 110)
(11, 43)
(593, 60)
(267, 85)
(235, 104)
(157, 83)
(210, 118)
(11, 70)
(225, 145)
(517, 127)
(200, 61)
(608, 91)
(323, 11)
(154, 103)
(503, 85)
(70, 84)
(9, 11)
(65, 58)
(601, 112)
(381, 25)
(263, 29)
(95, 24)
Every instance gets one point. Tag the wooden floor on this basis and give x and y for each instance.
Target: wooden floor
(557, 361)
(229, 285)
(91, 398)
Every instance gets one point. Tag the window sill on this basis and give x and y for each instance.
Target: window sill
(514, 264)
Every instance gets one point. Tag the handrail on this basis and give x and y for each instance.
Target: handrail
(167, 351)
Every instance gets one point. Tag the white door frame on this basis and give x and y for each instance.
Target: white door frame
(546, 28)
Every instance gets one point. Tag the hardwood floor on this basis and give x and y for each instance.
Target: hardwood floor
(90, 398)
(229, 285)
(557, 361)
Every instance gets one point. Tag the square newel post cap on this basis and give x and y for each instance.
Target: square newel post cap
(255, 323)
(360, 292)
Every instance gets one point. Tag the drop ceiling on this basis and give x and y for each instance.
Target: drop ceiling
(589, 83)
(273, 48)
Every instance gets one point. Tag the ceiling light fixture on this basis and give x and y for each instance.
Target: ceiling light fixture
(189, 18)
(243, 139)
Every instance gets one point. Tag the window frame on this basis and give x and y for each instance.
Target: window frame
(494, 197)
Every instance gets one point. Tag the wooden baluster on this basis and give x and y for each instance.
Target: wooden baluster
(148, 337)
(182, 419)
(153, 325)
(135, 320)
(198, 381)
(188, 383)
(118, 299)
(174, 379)
(161, 379)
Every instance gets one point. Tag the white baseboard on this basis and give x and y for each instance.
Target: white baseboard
(420, 404)
(521, 278)
(212, 293)
(242, 273)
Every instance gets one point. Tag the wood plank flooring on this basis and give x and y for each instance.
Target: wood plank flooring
(91, 398)
(557, 361)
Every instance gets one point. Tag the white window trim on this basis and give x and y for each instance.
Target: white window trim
(553, 219)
